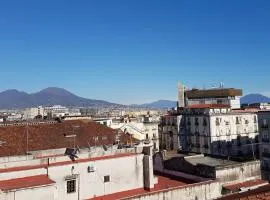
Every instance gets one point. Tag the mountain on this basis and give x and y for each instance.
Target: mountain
(160, 104)
(254, 98)
(50, 96)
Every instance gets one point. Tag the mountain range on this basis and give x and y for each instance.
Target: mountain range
(14, 99)
(247, 99)
(254, 98)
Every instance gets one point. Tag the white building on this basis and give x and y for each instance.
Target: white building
(225, 96)
(144, 129)
(220, 131)
(93, 174)
(56, 111)
(31, 113)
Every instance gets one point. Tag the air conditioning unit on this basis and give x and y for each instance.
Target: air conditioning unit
(91, 169)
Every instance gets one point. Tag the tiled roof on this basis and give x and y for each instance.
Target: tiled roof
(53, 136)
(261, 193)
(208, 106)
(163, 183)
(26, 182)
(246, 184)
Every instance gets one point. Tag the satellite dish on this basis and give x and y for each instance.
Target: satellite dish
(105, 147)
(71, 153)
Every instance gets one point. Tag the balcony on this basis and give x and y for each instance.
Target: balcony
(265, 140)
(266, 154)
(206, 146)
(155, 137)
(264, 127)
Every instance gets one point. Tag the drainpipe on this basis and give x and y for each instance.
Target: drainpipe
(78, 186)
(48, 163)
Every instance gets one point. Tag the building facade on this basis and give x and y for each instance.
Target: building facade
(219, 131)
(169, 129)
(87, 177)
(264, 128)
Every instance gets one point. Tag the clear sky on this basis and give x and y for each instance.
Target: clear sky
(134, 51)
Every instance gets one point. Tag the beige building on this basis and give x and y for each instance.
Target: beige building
(218, 130)
(169, 131)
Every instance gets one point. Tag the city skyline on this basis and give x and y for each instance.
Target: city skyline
(134, 52)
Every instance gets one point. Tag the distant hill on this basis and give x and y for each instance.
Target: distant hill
(254, 98)
(10, 99)
(162, 104)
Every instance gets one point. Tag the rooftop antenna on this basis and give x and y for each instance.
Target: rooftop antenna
(221, 84)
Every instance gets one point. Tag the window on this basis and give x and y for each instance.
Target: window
(237, 120)
(255, 119)
(196, 121)
(204, 121)
(147, 137)
(106, 179)
(104, 137)
(217, 121)
(71, 186)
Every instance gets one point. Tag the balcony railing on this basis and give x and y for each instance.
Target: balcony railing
(266, 154)
(265, 139)
(206, 146)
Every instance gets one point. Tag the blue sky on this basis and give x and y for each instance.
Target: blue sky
(134, 51)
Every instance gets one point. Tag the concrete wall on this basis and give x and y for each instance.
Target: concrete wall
(239, 172)
(200, 191)
(125, 173)
(41, 193)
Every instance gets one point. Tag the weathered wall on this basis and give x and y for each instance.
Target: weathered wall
(199, 191)
(240, 172)
(41, 193)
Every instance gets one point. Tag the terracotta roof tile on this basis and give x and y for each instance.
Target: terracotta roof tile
(26, 182)
(163, 183)
(259, 193)
(52, 136)
(246, 184)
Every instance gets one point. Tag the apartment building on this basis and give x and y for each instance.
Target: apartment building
(264, 128)
(169, 129)
(218, 130)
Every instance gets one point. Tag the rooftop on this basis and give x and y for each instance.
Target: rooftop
(213, 93)
(26, 182)
(60, 163)
(244, 185)
(164, 182)
(54, 136)
(209, 161)
(260, 193)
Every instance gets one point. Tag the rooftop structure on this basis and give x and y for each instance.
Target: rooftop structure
(22, 138)
(213, 93)
(226, 96)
